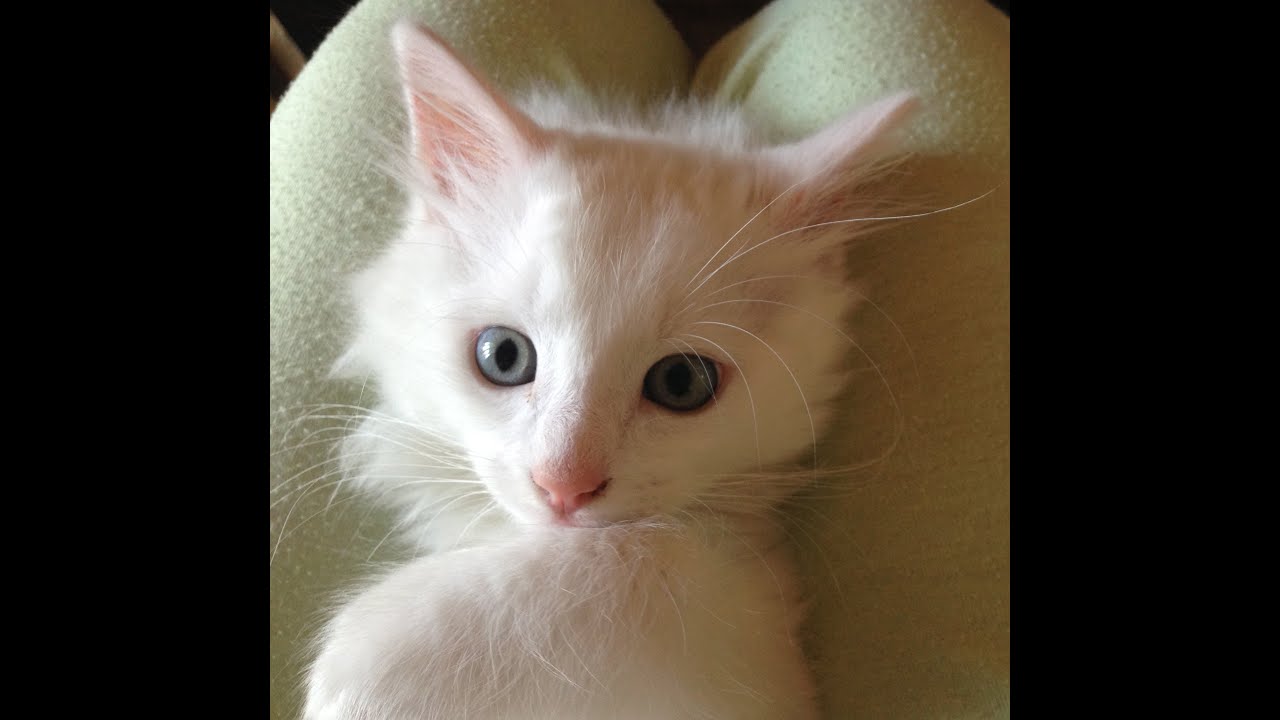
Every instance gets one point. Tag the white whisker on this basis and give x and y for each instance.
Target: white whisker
(898, 413)
(848, 221)
(744, 227)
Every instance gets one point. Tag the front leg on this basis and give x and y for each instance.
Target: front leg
(565, 624)
(402, 647)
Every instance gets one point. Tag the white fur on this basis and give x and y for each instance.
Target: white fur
(635, 622)
(602, 237)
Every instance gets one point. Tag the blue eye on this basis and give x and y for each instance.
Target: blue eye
(505, 357)
(681, 382)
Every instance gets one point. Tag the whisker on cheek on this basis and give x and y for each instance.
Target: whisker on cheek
(899, 417)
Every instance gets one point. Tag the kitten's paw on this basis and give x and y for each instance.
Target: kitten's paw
(324, 708)
(349, 678)
(326, 697)
(388, 654)
(349, 682)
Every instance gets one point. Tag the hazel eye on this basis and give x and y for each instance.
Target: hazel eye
(681, 382)
(505, 357)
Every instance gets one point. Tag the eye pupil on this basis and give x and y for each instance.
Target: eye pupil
(678, 380)
(506, 355)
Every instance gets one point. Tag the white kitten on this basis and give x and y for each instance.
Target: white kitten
(592, 335)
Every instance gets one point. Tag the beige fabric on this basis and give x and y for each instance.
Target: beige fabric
(917, 547)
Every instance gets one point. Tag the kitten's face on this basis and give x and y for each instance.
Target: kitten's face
(533, 293)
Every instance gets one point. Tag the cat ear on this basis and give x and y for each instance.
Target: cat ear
(460, 128)
(840, 155)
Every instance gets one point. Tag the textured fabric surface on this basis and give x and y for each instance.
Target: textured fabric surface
(908, 560)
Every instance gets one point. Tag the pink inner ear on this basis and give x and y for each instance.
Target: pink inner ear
(459, 124)
(447, 140)
(827, 165)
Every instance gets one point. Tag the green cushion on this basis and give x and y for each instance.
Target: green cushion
(909, 561)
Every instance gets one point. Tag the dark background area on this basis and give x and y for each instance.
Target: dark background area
(701, 22)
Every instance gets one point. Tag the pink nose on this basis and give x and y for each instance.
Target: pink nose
(569, 490)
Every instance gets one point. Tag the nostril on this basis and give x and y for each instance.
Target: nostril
(600, 490)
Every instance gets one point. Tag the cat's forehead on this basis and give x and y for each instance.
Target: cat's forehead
(632, 222)
(641, 175)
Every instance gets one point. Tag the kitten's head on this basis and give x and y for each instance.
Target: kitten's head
(619, 323)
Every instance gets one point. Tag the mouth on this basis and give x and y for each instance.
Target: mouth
(574, 521)
(579, 519)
